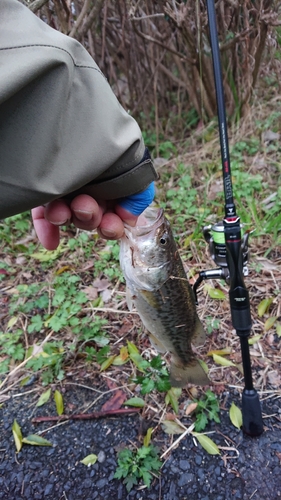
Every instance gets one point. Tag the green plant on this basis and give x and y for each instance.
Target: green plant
(50, 360)
(61, 309)
(11, 348)
(155, 375)
(108, 262)
(207, 409)
(138, 464)
(13, 229)
(96, 355)
(211, 324)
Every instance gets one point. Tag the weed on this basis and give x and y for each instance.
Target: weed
(211, 324)
(11, 348)
(108, 262)
(155, 375)
(13, 229)
(59, 309)
(207, 409)
(136, 465)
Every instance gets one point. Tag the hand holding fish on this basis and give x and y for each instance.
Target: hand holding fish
(88, 214)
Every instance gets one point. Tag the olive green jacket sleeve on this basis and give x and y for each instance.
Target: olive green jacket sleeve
(61, 126)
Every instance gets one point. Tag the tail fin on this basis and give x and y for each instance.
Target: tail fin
(192, 373)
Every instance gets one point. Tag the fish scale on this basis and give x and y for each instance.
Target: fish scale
(158, 288)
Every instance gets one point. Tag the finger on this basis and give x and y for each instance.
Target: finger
(58, 212)
(47, 233)
(86, 212)
(111, 227)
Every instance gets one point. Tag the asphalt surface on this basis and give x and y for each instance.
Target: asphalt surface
(248, 468)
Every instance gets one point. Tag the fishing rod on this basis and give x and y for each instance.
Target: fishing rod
(229, 250)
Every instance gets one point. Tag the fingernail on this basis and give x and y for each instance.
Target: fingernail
(59, 223)
(83, 215)
(130, 222)
(108, 233)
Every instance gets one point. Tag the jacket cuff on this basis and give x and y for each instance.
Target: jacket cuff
(134, 181)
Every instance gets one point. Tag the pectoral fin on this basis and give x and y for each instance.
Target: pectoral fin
(150, 298)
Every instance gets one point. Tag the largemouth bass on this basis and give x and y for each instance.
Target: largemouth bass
(158, 288)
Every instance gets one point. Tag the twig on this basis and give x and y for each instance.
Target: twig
(85, 416)
(36, 5)
(44, 431)
(187, 431)
(80, 18)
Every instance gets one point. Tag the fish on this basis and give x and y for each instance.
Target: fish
(159, 290)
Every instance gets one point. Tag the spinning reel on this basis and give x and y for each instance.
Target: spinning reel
(215, 237)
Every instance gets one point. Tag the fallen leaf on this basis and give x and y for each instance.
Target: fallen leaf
(220, 352)
(89, 460)
(190, 408)
(44, 398)
(235, 415)
(110, 384)
(137, 402)
(59, 402)
(147, 437)
(132, 348)
(269, 323)
(115, 402)
(17, 435)
(90, 292)
(101, 284)
(106, 295)
(254, 340)
(222, 361)
(270, 136)
(274, 378)
(215, 293)
(207, 443)
(107, 363)
(170, 427)
(264, 306)
(62, 269)
(35, 440)
(170, 416)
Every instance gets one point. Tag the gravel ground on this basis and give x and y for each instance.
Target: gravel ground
(248, 468)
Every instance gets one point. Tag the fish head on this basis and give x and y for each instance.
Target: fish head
(147, 250)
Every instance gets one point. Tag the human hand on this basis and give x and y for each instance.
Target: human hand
(88, 214)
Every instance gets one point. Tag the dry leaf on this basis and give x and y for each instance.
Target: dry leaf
(106, 295)
(170, 416)
(91, 292)
(115, 402)
(274, 378)
(101, 284)
(190, 409)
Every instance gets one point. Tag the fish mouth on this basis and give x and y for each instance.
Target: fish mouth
(147, 222)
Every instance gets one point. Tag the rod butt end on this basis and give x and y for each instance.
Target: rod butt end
(251, 411)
